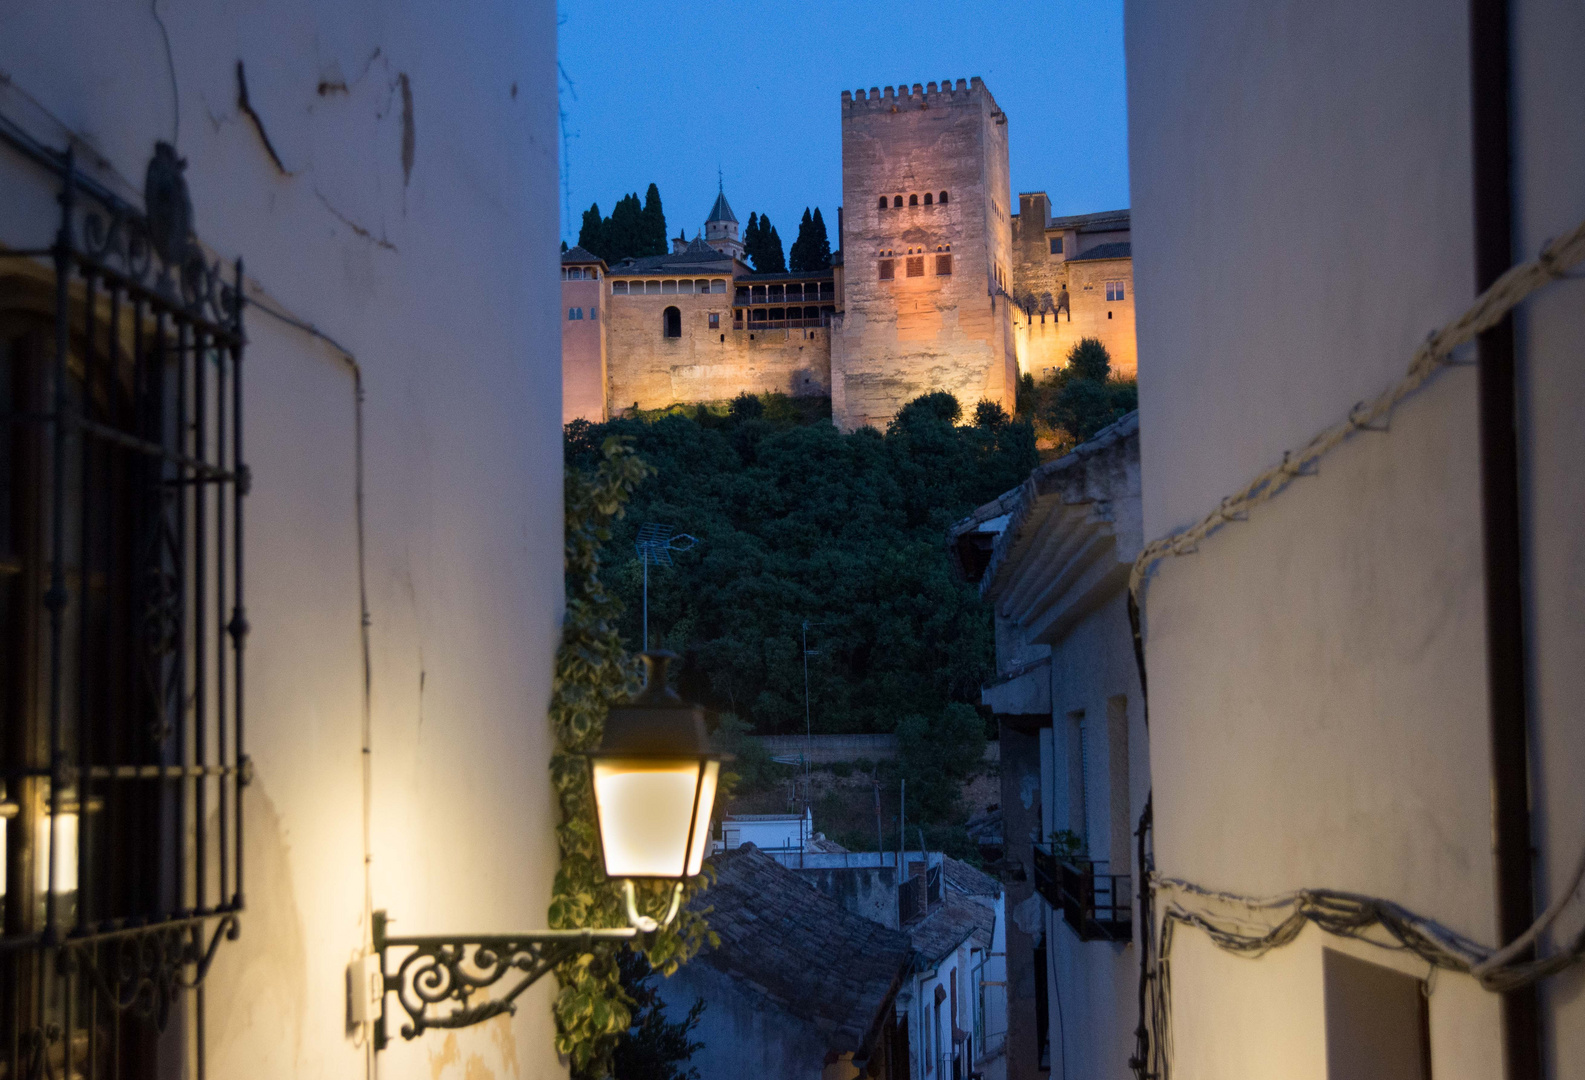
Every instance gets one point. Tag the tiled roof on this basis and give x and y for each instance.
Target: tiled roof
(797, 948)
(1104, 221)
(948, 925)
(691, 260)
(721, 211)
(580, 255)
(961, 877)
(1120, 250)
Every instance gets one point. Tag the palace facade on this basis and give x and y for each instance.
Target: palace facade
(937, 285)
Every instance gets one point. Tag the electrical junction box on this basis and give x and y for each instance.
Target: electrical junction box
(365, 990)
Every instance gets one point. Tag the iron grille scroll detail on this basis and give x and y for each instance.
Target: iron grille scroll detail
(123, 755)
(456, 968)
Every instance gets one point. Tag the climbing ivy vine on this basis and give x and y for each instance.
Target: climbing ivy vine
(593, 671)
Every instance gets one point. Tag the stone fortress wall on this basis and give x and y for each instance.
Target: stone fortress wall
(1051, 254)
(923, 296)
(649, 370)
(921, 309)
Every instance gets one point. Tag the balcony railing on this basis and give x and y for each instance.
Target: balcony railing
(1098, 905)
(743, 298)
(803, 322)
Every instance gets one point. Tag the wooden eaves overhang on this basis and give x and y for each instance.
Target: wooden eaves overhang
(1063, 541)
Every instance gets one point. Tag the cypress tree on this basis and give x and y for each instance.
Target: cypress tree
(820, 246)
(625, 229)
(591, 236)
(751, 240)
(654, 223)
(798, 256)
(772, 260)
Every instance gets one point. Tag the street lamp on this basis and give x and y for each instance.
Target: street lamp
(655, 778)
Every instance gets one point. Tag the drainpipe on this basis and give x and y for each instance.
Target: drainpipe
(1490, 87)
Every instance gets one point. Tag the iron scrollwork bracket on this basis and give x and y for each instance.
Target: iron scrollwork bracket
(443, 969)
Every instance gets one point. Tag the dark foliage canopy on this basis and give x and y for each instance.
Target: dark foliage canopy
(797, 521)
(654, 1048)
(1079, 399)
(812, 250)
(633, 230)
(763, 246)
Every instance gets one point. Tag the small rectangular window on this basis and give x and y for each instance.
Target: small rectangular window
(888, 269)
(715, 321)
(1377, 1021)
(916, 266)
(943, 266)
(1114, 290)
(1056, 245)
(594, 313)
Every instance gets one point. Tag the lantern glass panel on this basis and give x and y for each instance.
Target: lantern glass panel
(646, 807)
(701, 818)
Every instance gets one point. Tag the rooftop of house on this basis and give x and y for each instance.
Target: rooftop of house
(959, 876)
(698, 256)
(1101, 221)
(579, 255)
(978, 545)
(1120, 250)
(955, 920)
(797, 949)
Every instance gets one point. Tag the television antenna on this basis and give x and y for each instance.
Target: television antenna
(654, 545)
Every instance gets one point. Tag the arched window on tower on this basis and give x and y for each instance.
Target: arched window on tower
(883, 203)
(671, 323)
(943, 198)
(897, 203)
(929, 198)
(913, 200)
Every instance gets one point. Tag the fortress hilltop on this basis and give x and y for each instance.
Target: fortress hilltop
(937, 284)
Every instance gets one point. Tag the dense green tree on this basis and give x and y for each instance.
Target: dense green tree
(811, 252)
(634, 229)
(653, 1048)
(591, 236)
(938, 754)
(1074, 402)
(798, 521)
(762, 245)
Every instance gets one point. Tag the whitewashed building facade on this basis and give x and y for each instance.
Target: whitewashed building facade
(388, 178)
(1372, 680)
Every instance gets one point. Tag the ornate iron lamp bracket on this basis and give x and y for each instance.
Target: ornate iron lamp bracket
(442, 969)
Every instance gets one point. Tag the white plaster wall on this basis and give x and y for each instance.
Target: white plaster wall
(440, 276)
(1302, 218)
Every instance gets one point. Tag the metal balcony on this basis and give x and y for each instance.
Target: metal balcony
(1098, 905)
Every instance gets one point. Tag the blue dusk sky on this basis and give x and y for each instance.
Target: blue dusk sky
(667, 92)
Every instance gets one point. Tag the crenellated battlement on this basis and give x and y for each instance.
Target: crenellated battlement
(918, 96)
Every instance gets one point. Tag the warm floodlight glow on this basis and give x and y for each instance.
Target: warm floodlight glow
(701, 816)
(646, 811)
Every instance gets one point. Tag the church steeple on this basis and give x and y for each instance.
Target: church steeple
(721, 227)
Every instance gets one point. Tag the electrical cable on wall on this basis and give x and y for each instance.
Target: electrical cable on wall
(1252, 926)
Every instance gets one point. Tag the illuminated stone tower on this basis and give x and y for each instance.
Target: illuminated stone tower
(927, 252)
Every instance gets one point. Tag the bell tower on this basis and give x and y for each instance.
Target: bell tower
(721, 227)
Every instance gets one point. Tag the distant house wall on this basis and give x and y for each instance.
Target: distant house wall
(583, 352)
(1043, 342)
(743, 1035)
(870, 891)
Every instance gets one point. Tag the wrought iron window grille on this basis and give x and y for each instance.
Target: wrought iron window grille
(122, 623)
(1097, 905)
